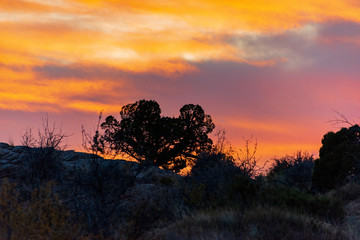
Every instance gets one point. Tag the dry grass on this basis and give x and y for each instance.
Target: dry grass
(351, 224)
(346, 193)
(272, 224)
(259, 224)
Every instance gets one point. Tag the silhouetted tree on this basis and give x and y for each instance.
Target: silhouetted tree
(339, 157)
(143, 134)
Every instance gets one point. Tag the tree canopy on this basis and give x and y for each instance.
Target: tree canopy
(339, 156)
(170, 142)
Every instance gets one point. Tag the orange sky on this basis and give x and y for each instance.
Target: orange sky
(272, 69)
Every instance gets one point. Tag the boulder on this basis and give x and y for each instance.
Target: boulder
(4, 151)
(5, 146)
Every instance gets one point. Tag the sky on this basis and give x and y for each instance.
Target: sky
(276, 71)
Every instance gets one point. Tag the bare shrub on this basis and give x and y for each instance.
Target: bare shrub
(246, 158)
(93, 144)
(42, 161)
(222, 144)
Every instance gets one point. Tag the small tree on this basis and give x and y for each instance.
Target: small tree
(146, 136)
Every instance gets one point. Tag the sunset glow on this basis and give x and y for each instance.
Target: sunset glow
(274, 70)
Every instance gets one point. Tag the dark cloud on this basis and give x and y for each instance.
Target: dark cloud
(331, 47)
(340, 29)
(85, 72)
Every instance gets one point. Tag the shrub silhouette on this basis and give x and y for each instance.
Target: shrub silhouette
(293, 170)
(339, 157)
(42, 160)
(209, 180)
(216, 180)
(143, 134)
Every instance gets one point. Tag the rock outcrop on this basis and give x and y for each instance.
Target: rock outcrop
(105, 193)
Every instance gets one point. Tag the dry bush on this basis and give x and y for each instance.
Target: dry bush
(245, 157)
(42, 162)
(43, 216)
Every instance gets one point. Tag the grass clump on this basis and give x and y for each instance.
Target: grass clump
(302, 202)
(260, 223)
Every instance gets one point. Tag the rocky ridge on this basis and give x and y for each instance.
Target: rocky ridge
(106, 192)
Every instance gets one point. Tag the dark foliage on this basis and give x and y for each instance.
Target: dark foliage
(209, 179)
(216, 180)
(143, 134)
(303, 202)
(293, 170)
(339, 157)
(41, 165)
(211, 166)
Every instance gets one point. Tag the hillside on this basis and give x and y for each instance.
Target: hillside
(50, 194)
